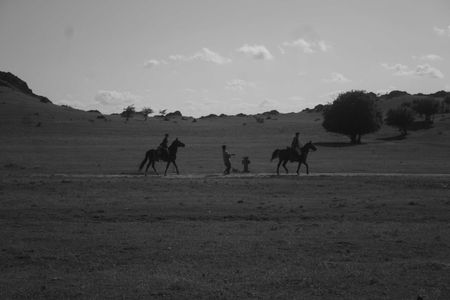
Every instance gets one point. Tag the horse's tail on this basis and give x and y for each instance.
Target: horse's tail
(144, 161)
(275, 154)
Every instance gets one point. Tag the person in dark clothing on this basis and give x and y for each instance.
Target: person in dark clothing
(295, 145)
(226, 160)
(163, 147)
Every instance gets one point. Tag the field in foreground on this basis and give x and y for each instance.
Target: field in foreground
(283, 237)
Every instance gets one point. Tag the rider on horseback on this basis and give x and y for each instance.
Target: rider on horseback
(163, 150)
(295, 146)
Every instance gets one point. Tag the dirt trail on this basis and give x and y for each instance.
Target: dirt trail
(242, 175)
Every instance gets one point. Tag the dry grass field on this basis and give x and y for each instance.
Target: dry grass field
(78, 221)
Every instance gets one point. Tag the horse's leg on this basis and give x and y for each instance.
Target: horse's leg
(176, 167)
(148, 165)
(284, 166)
(153, 167)
(307, 167)
(278, 167)
(167, 166)
(298, 168)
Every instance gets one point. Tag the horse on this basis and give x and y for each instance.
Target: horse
(285, 155)
(152, 155)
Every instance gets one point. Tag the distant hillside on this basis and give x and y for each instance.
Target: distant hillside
(19, 105)
(391, 100)
(10, 80)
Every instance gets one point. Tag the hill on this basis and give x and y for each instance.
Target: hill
(40, 137)
(21, 108)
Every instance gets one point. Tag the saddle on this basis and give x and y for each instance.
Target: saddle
(293, 155)
(162, 153)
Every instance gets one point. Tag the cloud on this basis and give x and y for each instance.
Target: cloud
(428, 71)
(337, 77)
(331, 96)
(239, 85)
(282, 51)
(442, 31)
(424, 70)
(153, 63)
(430, 57)
(115, 98)
(308, 47)
(296, 98)
(204, 55)
(256, 52)
(323, 46)
(398, 68)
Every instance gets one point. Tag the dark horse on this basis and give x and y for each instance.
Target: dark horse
(152, 155)
(285, 155)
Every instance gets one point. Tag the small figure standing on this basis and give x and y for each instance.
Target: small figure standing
(226, 159)
(295, 145)
(246, 162)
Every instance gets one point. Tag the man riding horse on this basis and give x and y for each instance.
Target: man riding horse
(296, 150)
(163, 150)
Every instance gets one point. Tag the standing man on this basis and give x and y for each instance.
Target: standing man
(295, 145)
(226, 160)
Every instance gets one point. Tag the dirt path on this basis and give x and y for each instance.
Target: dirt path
(241, 175)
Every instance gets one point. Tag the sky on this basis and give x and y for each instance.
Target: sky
(234, 56)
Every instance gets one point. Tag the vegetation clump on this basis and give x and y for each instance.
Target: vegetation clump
(394, 94)
(400, 117)
(271, 113)
(174, 114)
(146, 111)
(427, 107)
(353, 114)
(128, 112)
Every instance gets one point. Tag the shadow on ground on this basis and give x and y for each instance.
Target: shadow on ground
(392, 138)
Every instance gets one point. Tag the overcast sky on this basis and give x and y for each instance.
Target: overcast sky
(209, 56)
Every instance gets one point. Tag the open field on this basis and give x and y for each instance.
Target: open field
(289, 237)
(78, 221)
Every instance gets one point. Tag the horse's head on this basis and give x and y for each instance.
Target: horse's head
(177, 143)
(310, 146)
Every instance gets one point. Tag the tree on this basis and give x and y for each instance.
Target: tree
(400, 117)
(163, 112)
(427, 107)
(447, 100)
(146, 111)
(128, 112)
(446, 104)
(353, 114)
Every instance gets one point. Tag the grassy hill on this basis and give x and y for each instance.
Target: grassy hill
(286, 237)
(40, 137)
